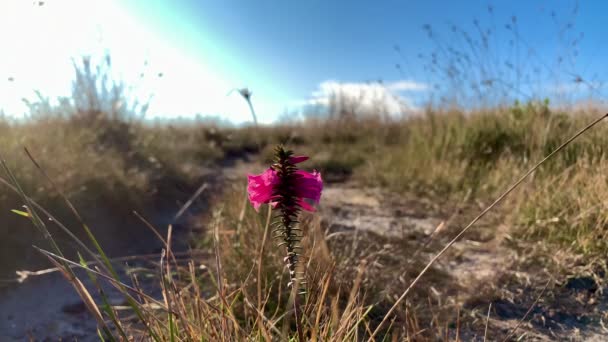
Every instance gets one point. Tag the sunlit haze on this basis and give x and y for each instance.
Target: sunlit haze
(190, 55)
(42, 40)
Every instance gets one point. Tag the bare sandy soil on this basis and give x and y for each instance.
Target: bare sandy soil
(483, 268)
(46, 308)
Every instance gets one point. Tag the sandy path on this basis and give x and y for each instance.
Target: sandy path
(478, 270)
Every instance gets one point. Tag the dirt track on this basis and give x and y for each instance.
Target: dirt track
(481, 269)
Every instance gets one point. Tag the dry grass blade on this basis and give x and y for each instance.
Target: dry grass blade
(23, 275)
(82, 292)
(188, 203)
(521, 321)
(320, 304)
(53, 219)
(219, 280)
(121, 285)
(265, 319)
(103, 261)
(485, 332)
(157, 234)
(260, 308)
(478, 217)
(151, 227)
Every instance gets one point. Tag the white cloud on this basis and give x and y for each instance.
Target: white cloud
(407, 86)
(368, 97)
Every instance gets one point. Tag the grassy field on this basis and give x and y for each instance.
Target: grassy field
(150, 224)
(458, 162)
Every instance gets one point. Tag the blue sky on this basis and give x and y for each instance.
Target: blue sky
(291, 53)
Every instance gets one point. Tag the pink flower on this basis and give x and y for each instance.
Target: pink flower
(306, 185)
(260, 187)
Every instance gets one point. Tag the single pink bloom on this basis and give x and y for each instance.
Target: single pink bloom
(306, 186)
(298, 159)
(260, 187)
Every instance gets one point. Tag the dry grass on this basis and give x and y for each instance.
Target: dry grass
(238, 289)
(243, 294)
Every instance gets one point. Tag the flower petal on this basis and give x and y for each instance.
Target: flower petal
(305, 206)
(260, 187)
(298, 159)
(308, 185)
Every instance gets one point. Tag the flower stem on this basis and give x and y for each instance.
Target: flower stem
(288, 207)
